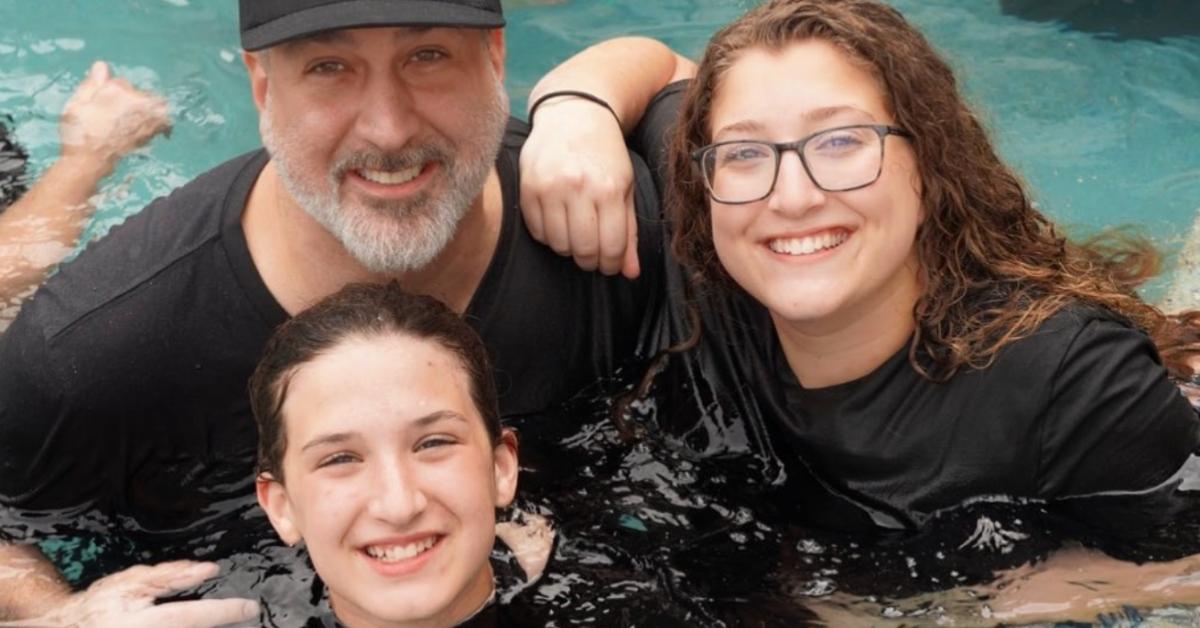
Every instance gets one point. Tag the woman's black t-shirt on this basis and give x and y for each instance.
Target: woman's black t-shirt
(1082, 407)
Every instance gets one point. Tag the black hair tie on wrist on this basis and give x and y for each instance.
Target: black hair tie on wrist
(570, 92)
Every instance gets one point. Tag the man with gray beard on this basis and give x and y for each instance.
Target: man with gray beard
(389, 156)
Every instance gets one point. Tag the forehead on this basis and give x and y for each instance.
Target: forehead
(379, 36)
(378, 385)
(811, 78)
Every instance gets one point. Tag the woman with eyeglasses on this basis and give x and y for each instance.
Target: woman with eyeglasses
(928, 336)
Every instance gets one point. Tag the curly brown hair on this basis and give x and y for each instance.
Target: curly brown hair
(992, 267)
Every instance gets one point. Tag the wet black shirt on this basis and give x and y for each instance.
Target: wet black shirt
(123, 381)
(1081, 407)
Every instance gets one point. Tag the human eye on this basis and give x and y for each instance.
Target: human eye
(439, 441)
(428, 56)
(326, 67)
(743, 154)
(336, 459)
(840, 140)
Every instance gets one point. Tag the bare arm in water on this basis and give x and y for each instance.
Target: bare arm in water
(576, 178)
(103, 121)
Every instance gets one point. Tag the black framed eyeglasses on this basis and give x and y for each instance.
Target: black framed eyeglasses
(840, 159)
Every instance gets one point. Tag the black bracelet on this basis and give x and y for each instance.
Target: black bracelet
(570, 92)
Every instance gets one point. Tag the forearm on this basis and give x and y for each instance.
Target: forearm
(625, 72)
(40, 228)
(30, 586)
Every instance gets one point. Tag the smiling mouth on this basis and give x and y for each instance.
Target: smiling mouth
(399, 553)
(810, 244)
(391, 177)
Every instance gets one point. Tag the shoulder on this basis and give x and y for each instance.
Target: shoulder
(165, 235)
(1114, 420)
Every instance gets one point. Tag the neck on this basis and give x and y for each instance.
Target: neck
(842, 348)
(301, 262)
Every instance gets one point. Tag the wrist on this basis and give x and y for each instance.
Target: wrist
(558, 97)
(85, 164)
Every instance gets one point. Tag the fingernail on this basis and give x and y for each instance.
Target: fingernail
(250, 609)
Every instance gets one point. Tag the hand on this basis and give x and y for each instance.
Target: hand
(107, 118)
(577, 186)
(530, 537)
(127, 598)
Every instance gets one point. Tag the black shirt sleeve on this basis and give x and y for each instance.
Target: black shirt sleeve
(652, 137)
(1115, 421)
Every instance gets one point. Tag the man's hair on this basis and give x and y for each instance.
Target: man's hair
(360, 311)
(992, 267)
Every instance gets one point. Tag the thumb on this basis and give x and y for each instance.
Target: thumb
(95, 77)
(99, 72)
(200, 613)
(630, 266)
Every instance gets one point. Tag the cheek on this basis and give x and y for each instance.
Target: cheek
(729, 237)
(466, 485)
(325, 509)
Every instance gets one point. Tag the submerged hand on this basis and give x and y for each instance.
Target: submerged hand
(127, 598)
(108, 117)
(577, 186)
(531, 539)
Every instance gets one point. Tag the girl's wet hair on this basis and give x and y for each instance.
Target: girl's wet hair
(360, 311)
(993, 267)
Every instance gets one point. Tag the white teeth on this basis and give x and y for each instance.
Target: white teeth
(385, 177)
(808, 244)
(397, 553)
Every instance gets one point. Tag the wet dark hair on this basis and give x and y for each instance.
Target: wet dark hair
(992, 267)
(354, 312)
(13, 159)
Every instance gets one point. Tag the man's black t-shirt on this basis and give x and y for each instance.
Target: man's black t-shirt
(123, 382)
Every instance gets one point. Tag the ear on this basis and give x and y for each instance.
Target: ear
(273, 498)
(505, 467)
(496, 50)
(256, 67)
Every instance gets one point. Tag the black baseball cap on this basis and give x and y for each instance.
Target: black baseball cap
(266, 23)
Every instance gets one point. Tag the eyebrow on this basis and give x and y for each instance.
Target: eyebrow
(337, 438)
(814, 115)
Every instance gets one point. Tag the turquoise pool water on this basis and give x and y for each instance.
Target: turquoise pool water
(1104, 129)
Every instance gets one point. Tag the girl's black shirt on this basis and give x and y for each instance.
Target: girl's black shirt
(1083, 407)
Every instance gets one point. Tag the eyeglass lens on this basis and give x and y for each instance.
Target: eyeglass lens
(838, 159)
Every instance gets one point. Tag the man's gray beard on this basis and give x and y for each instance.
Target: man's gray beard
(391, 237)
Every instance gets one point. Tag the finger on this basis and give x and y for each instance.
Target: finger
(613, 234)
(200, 613)
(631, 267)
(531, 209)
(584, 232)
(99, 72)
(554, 220)
(164, 578)
(95, 77)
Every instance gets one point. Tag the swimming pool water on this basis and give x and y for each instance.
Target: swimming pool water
(1104, 129)
(1103, 126)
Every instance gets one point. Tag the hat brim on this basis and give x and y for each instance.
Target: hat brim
(365, 14)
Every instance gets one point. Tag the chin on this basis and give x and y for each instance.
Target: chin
(810, 306)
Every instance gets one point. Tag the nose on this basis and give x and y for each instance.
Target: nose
(396, 496)
(795, 192)
(387, 118)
